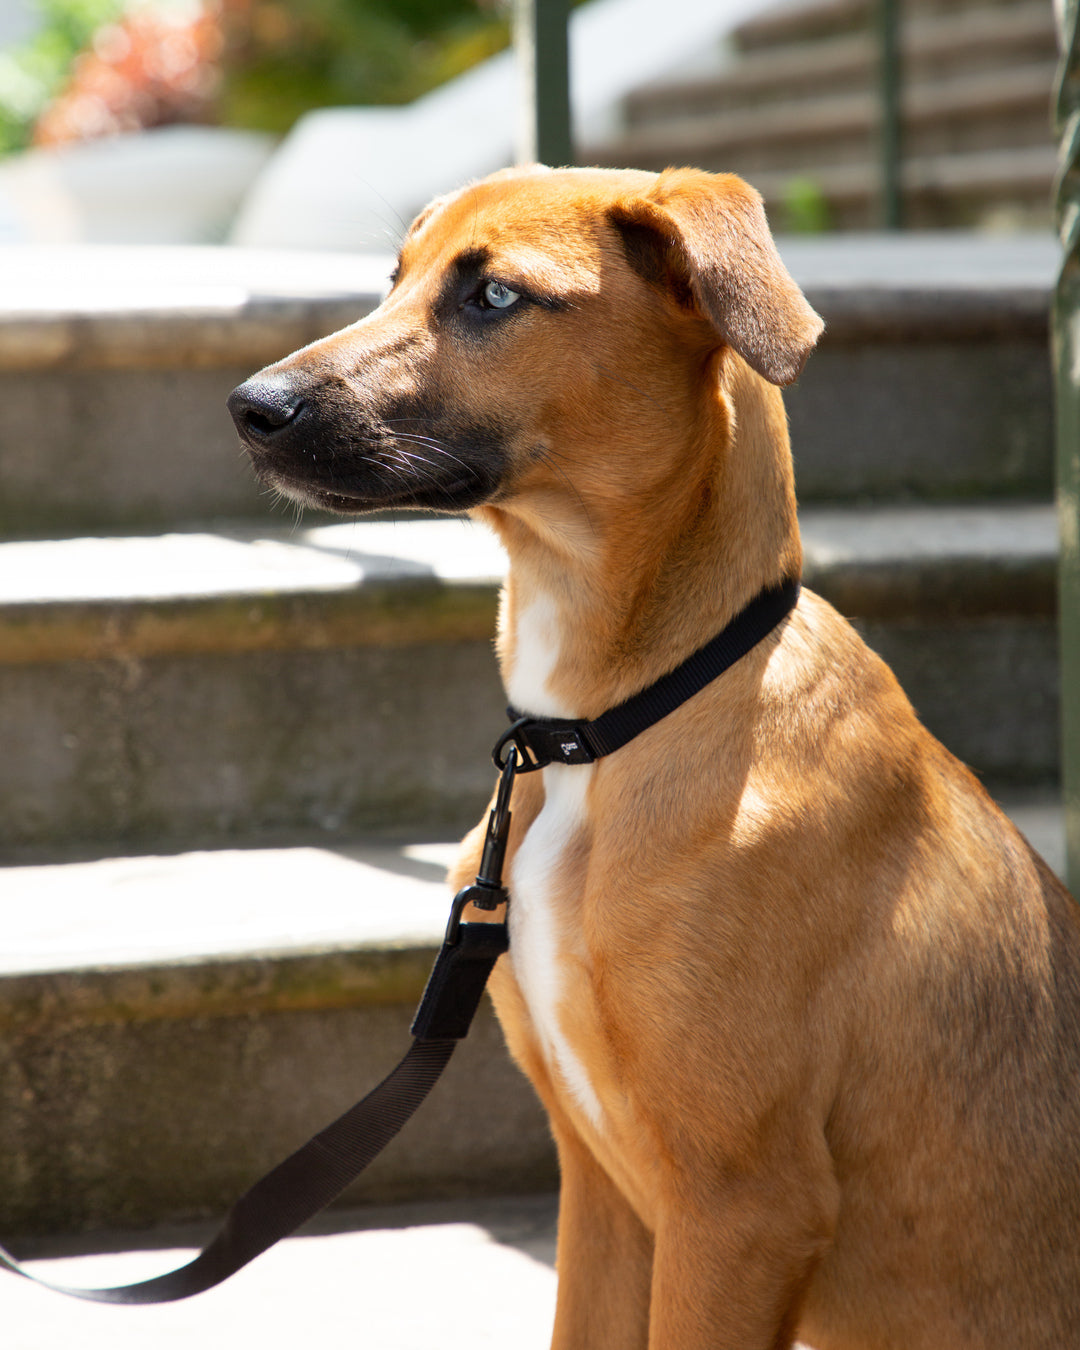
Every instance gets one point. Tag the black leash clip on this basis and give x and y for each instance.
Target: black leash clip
(470, 950)
(487, 892)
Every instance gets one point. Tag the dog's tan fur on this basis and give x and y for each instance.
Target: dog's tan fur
(821, 999)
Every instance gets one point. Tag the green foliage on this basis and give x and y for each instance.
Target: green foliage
(281, 58)
(805, 207)
(34, 73)
(299, 54)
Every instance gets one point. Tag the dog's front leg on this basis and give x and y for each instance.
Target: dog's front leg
(732, 1274)
(604, 1258)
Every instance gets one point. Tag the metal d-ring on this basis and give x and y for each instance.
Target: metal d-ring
(513, 733)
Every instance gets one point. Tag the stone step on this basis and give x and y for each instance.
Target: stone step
(190, 688)
(797, 111)
(784, 24)
(975, 147)
(808, 21)
(171, 1027)
(961, 602)
(991, 191)
(934, 47)
(933, 377)
(115, 364)
(114, 368)
(200, 689)
(986, 110)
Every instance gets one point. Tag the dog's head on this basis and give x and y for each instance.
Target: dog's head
(533, 310)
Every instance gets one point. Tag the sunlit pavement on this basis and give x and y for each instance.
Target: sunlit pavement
(451, 1275)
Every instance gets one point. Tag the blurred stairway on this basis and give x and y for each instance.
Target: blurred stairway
(236, 746)
(795, 110)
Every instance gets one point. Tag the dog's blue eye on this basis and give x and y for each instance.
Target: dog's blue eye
(499, 296)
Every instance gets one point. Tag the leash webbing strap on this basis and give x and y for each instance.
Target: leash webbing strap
(295, 1191)
(546, 740)
(309, 1179)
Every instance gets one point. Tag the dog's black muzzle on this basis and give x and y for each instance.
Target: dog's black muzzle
(316, 442)
(265, 408)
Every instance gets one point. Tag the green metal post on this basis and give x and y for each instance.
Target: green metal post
(890, 132)
(543, 57)
(1066, 348)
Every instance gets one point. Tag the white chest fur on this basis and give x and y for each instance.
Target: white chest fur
(536, 943)
(536, 650)
(537, 946)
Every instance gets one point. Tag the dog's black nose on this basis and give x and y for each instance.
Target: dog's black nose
(263, 406)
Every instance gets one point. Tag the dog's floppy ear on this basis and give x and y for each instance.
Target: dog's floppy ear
(705, 237)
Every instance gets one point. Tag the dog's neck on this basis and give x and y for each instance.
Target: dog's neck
(612, 583)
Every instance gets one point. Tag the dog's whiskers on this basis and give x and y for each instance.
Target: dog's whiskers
(417, 463)
(425, 444)
(385, 464)
(428, 442)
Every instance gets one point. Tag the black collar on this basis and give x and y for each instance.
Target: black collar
(549, 740)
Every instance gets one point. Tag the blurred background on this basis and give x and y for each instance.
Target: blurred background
(236, 743)
(803, 98)
(79, 69)
(81, 80)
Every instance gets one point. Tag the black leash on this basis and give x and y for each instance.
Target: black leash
(295, 1191)
(307, 1181)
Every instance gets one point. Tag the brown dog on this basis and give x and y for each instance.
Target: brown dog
(802, 1005)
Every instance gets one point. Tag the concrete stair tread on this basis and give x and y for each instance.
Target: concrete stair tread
(981, 170)
(1025, 171)
(1022, 171)
(103, 305)
(114, 393)
(852, 113)
(86, 297)
(241, 589)
(1009, 533)
(795, 22)
(1012, 90)
(63, 580)
(243, 560)
(172, 1027)
(112, 278)
(855, 116)
(214, 906)
(115, 364)
(943, 564)
(111, 917)
(945, 261)
(819, 20)
(929, 43)
(797, 110)
(751, 77)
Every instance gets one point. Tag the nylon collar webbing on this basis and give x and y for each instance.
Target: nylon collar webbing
(549, 740)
